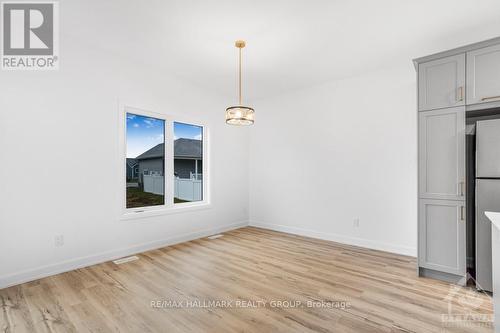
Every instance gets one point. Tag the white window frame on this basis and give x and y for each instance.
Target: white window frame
(169, 206)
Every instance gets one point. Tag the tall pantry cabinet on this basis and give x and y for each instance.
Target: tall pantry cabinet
(449, 84)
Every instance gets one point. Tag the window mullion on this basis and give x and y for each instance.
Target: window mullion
(169, 163)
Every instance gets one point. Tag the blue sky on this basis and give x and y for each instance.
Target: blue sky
(187, 131)
(144, 133)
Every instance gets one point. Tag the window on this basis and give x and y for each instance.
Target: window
(188, 163)
(146, 144)
(165, 162)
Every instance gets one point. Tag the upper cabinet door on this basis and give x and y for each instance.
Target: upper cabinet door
(441, 83)
(483, 75)
(442, 154)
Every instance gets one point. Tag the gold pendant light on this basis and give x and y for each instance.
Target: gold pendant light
(240, 115)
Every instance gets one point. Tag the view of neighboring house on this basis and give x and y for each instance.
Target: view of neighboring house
(187, 160)
(151, 162)
(132, 169)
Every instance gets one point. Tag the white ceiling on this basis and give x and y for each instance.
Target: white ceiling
(290, 44)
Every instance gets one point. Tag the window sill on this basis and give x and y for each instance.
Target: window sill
(176, 209)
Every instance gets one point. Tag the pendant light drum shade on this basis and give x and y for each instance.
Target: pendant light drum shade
(240, 115)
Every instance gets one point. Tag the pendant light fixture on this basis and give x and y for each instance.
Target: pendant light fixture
(239, 114)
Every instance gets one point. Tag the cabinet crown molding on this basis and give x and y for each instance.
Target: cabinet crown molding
(455, 51)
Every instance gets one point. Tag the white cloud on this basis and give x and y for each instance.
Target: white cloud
(136, 125)
(156, 138)
(198, 137)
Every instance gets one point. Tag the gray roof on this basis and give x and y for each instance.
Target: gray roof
(155, 152)
(183, 148)
(188, 148)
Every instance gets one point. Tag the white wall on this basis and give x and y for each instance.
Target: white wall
(61, 125)
(324, 156)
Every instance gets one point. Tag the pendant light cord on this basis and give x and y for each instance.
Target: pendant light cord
(240, 76)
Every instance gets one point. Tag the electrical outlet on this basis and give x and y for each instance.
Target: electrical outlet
(355, 223)
(59, 240)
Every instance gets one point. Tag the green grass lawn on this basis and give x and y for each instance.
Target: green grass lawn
(137, 198)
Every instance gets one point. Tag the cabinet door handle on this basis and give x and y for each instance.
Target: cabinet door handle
(460, 94)
(491, 97)
(461, 213)
(461, 184)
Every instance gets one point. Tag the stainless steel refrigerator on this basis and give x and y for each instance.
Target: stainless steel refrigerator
(487, 195)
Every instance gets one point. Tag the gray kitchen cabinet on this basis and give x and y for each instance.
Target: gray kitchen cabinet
(483, 75)
(441, 83)
(442, 236)
(442, 154)
(450, 83)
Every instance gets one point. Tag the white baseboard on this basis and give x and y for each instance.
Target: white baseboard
(69, 265)
(404, 250)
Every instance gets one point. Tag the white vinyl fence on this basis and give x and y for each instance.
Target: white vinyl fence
(197, 176)
(188, 189)
(184, 189)
(153, 184)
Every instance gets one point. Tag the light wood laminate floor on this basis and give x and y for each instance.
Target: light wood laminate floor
(248, 264)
